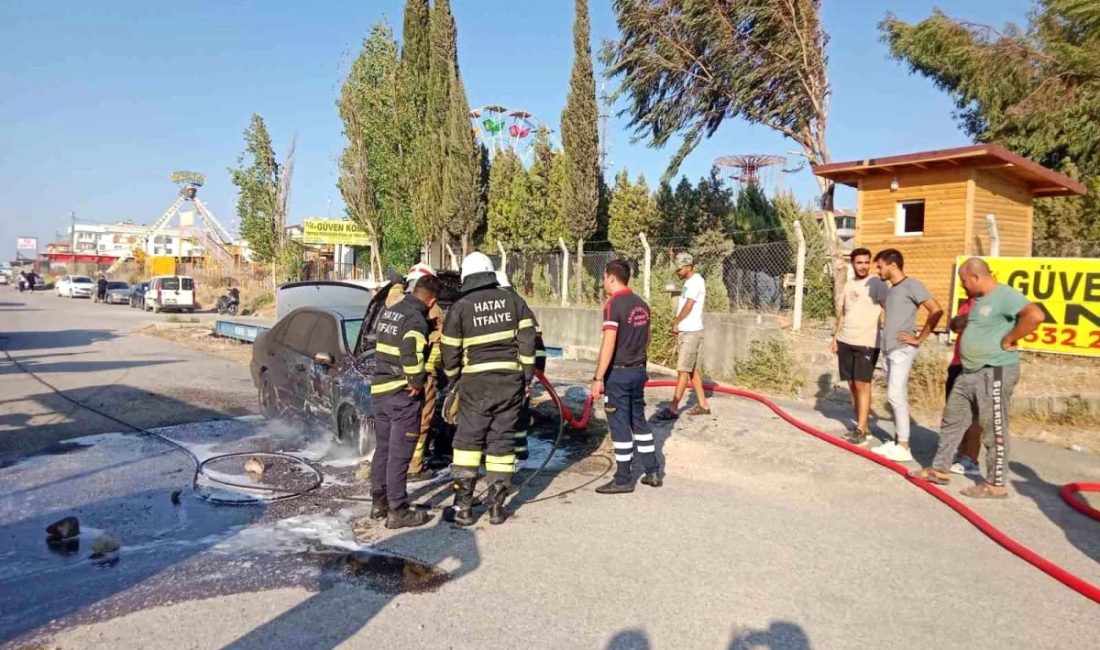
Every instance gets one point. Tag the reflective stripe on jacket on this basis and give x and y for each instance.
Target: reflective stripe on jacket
(402, 332)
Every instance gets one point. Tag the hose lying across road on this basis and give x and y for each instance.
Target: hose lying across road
(1068, 492)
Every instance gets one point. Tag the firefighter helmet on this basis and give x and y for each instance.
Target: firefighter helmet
(476, 262)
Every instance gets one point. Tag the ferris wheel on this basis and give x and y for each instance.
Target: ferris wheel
(501, 128)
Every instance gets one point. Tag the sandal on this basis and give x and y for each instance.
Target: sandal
(930, 475)
(666, 415)
(983, 491)
(697, 410)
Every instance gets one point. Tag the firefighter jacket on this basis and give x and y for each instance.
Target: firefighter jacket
(488, 329)
(399, 355)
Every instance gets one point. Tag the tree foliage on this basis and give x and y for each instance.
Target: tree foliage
(1035, 90)
(370, 165)
(580, 137)
(632, 211)
(688, 65)
(507, 196)
(263, 195)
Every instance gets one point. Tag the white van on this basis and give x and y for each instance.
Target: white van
(170, 292)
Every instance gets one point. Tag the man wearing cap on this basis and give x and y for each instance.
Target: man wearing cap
(433, 366)
(688, 328)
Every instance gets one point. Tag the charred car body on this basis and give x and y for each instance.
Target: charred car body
(316, 362)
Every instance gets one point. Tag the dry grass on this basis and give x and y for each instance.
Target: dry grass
(203, 340)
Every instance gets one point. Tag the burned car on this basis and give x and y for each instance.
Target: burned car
(307, 366)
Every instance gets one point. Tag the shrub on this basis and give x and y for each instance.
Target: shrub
(769, 367)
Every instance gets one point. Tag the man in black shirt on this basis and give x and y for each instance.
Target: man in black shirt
(621, 376)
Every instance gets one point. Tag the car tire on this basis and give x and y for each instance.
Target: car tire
(353, 432)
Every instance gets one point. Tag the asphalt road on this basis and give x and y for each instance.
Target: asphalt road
(762, 537)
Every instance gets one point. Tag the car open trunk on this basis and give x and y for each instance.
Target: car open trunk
(344, 295)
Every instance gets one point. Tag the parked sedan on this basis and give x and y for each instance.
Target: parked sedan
(306, 367)
(81, 286)
(118, 293)
(64, 286)
(137, 295)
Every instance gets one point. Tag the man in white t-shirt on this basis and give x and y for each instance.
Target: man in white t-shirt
(688, 328)
(856, 338)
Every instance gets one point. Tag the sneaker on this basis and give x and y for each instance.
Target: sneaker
(899, 454)
(957, 468)
(856, 437)
(884, 448)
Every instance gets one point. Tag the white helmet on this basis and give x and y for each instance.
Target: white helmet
(502, 279)
(476, 262)
(416, 272)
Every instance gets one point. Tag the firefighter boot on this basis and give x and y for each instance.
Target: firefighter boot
(464, 500)
(495, 499)
(379, 507)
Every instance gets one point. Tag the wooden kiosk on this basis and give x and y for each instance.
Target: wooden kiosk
(936, 205)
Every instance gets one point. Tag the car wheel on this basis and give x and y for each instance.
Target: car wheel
(351, 431)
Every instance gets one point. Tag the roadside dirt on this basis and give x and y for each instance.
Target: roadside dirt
(202, 338)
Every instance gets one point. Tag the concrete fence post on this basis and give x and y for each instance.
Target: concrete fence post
(564, 272)
(994, 236)
(799, 276)
(503, 258)
(647, 261)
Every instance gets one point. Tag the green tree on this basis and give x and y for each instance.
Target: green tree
(754, 220)
(263, 187)
(507, 197)
(542, 210)
(632, 211)
(1035, 90)
(463, 170)
(715, 200)
(818, 302)
(370, 165)
(417, 135)
(688, 65)
(581, 142)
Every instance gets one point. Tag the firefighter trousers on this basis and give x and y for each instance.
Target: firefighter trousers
(396, 429)
(487, 418)
(630, 432)
(427, 413)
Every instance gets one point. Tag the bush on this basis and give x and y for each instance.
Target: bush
(770, 368)
(542, 290)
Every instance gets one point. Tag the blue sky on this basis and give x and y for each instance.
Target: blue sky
(102, 101)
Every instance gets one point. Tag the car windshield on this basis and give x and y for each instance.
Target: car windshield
(81, 279)
(351, 332)
(111, 286)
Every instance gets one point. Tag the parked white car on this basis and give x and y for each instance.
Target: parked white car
(75, 286)
(170, 293)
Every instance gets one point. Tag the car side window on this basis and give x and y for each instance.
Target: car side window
(324, 337)
(298, 331)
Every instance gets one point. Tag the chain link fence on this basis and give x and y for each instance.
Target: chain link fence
(759, 277)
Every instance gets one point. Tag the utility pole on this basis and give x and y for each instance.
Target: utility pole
(72, 235)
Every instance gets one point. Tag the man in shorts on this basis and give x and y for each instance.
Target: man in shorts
(688, 328)
(856, 338)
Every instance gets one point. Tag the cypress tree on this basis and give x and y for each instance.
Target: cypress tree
(413, 108)
(580, 140)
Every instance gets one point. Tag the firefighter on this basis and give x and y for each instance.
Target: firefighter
(523, 428)
(397, 390)
(489, 348)
(434, 367)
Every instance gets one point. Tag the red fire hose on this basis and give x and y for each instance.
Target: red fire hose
(1068, 492)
